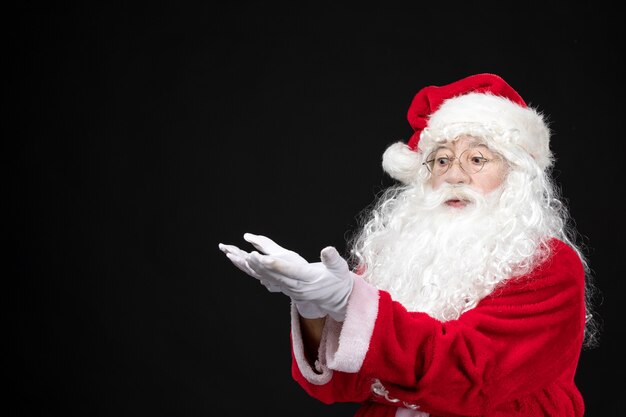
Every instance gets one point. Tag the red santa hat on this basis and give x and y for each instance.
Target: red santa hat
(482, 105)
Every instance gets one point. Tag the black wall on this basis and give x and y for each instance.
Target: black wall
(143, 137)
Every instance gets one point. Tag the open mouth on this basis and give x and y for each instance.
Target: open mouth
(456, 203)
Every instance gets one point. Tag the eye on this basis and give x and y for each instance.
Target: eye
(477, 160)
(442, 160)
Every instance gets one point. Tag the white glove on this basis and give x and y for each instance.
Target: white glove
(328, 284)
(267, 246)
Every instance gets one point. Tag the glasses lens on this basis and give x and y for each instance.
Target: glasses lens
(430, 159)
(472, 161)
(439, 161)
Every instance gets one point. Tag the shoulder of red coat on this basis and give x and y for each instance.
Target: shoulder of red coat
(561, 249)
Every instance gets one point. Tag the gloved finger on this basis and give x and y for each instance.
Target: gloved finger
(262, 264)
(232, 249)
(239, 258)
(275, 265)
(269, 247)
(333, 261)
(241, 263)
(266, 266)
(263, 244)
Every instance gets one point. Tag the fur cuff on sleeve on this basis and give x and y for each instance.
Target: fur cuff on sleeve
(344, 345)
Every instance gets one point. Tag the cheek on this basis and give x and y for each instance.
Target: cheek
(492, 182)
(435, 182)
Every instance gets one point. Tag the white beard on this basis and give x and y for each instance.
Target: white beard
(442, 260)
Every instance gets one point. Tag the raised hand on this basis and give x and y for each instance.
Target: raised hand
(327, 284)
(267, 246)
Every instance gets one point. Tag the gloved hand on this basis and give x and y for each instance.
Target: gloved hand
(268, 247)
(327, 284)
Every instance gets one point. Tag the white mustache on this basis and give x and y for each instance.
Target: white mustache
(459, 193)
(447, 192)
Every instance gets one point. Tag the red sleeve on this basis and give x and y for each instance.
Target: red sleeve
(521, 338)
(342, 387)
(323, 383)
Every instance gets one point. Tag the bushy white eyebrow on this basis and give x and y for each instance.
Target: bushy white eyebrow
(470, 144)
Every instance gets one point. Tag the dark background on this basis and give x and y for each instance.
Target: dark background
(143, 137)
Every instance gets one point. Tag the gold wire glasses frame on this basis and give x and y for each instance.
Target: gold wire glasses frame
(471, 161)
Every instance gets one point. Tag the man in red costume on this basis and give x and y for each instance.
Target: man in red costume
(467, 294)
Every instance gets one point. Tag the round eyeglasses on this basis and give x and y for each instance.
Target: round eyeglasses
(471, 161)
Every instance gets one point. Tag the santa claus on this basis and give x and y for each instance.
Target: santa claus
(465, 293)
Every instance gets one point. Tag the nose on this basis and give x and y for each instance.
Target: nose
(456, 175)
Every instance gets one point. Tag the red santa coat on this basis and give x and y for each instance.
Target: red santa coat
(514, 354)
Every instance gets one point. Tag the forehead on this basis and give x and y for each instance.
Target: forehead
(462, 142)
